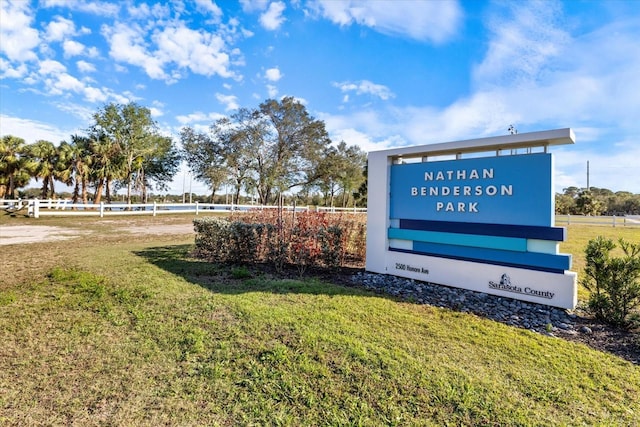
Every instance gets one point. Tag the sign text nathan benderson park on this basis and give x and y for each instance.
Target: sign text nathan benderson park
(483, 220)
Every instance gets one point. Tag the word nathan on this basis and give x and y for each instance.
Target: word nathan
(459, 174)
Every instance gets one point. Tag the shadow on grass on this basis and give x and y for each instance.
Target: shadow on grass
(237, 279)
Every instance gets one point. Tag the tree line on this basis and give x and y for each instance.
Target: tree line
(122, 148)
(266, 151)
(596, 201)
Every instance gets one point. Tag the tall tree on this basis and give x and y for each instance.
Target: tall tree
(160, 167)
(66, 165)
(45, 156)
(204, 158)
(15, 165)
(240, 137)
(350, 177)
(291, 151)
(341, 172)
(587, 204)
(106, 166)
(328, 182)
(82, 163)
(131, 129)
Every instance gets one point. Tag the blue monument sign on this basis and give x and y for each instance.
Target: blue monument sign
(482, 223)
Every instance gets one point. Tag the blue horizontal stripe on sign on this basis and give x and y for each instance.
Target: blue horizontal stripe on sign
(557, 234)
(482, 261)
(530, 260)
(473, 240)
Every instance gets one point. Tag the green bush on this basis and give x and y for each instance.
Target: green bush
(211, 235)
(614, 282)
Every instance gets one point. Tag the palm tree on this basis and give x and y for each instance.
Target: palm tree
(106, 165)
(74, 169)
(15, 165)
(45, 156)
(65, 166)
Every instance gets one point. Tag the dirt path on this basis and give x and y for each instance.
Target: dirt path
(23, 234)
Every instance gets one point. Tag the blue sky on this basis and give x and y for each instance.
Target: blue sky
(380, 74)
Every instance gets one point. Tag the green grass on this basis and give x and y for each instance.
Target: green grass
(578, 235)
(122, 331)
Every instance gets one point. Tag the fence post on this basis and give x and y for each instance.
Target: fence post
(101, 209)
(196, 207)
(35, 209)
(614, 221)
(155, 207)
(568, 219)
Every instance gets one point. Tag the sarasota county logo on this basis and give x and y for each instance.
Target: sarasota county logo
(506, 285)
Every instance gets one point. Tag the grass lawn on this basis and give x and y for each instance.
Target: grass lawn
(127, 329)
(578, 235)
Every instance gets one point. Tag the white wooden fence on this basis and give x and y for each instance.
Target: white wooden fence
(612, 221)
(339, 210)
(62, 207)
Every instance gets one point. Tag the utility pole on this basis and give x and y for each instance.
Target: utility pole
(588, 176)
(183, 179)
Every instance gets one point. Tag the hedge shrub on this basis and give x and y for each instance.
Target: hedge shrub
(308, 239)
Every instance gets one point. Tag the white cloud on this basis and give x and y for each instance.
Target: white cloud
(156, 112)
(254, 5)
(208, 6)
(366, 87)
(93, 94)
(92, 52)
(127, 45)
(377, 125)
(57, 81)
(82, 112)
(197, 117)
(49, 66)
(8, 71)
(143, 11)
(32, 130)
(72, 48)
(525, 37)
(273, 74)
(18, 38)
(85, 67)
(354, 137)
(183, 48)
(100, 8)
(64, 82)
(272, 91)
(201, 52)
(230, 101)
(272, 19)
(59, 29)
(435, 21)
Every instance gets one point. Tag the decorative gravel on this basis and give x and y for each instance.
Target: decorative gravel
(535, 317)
